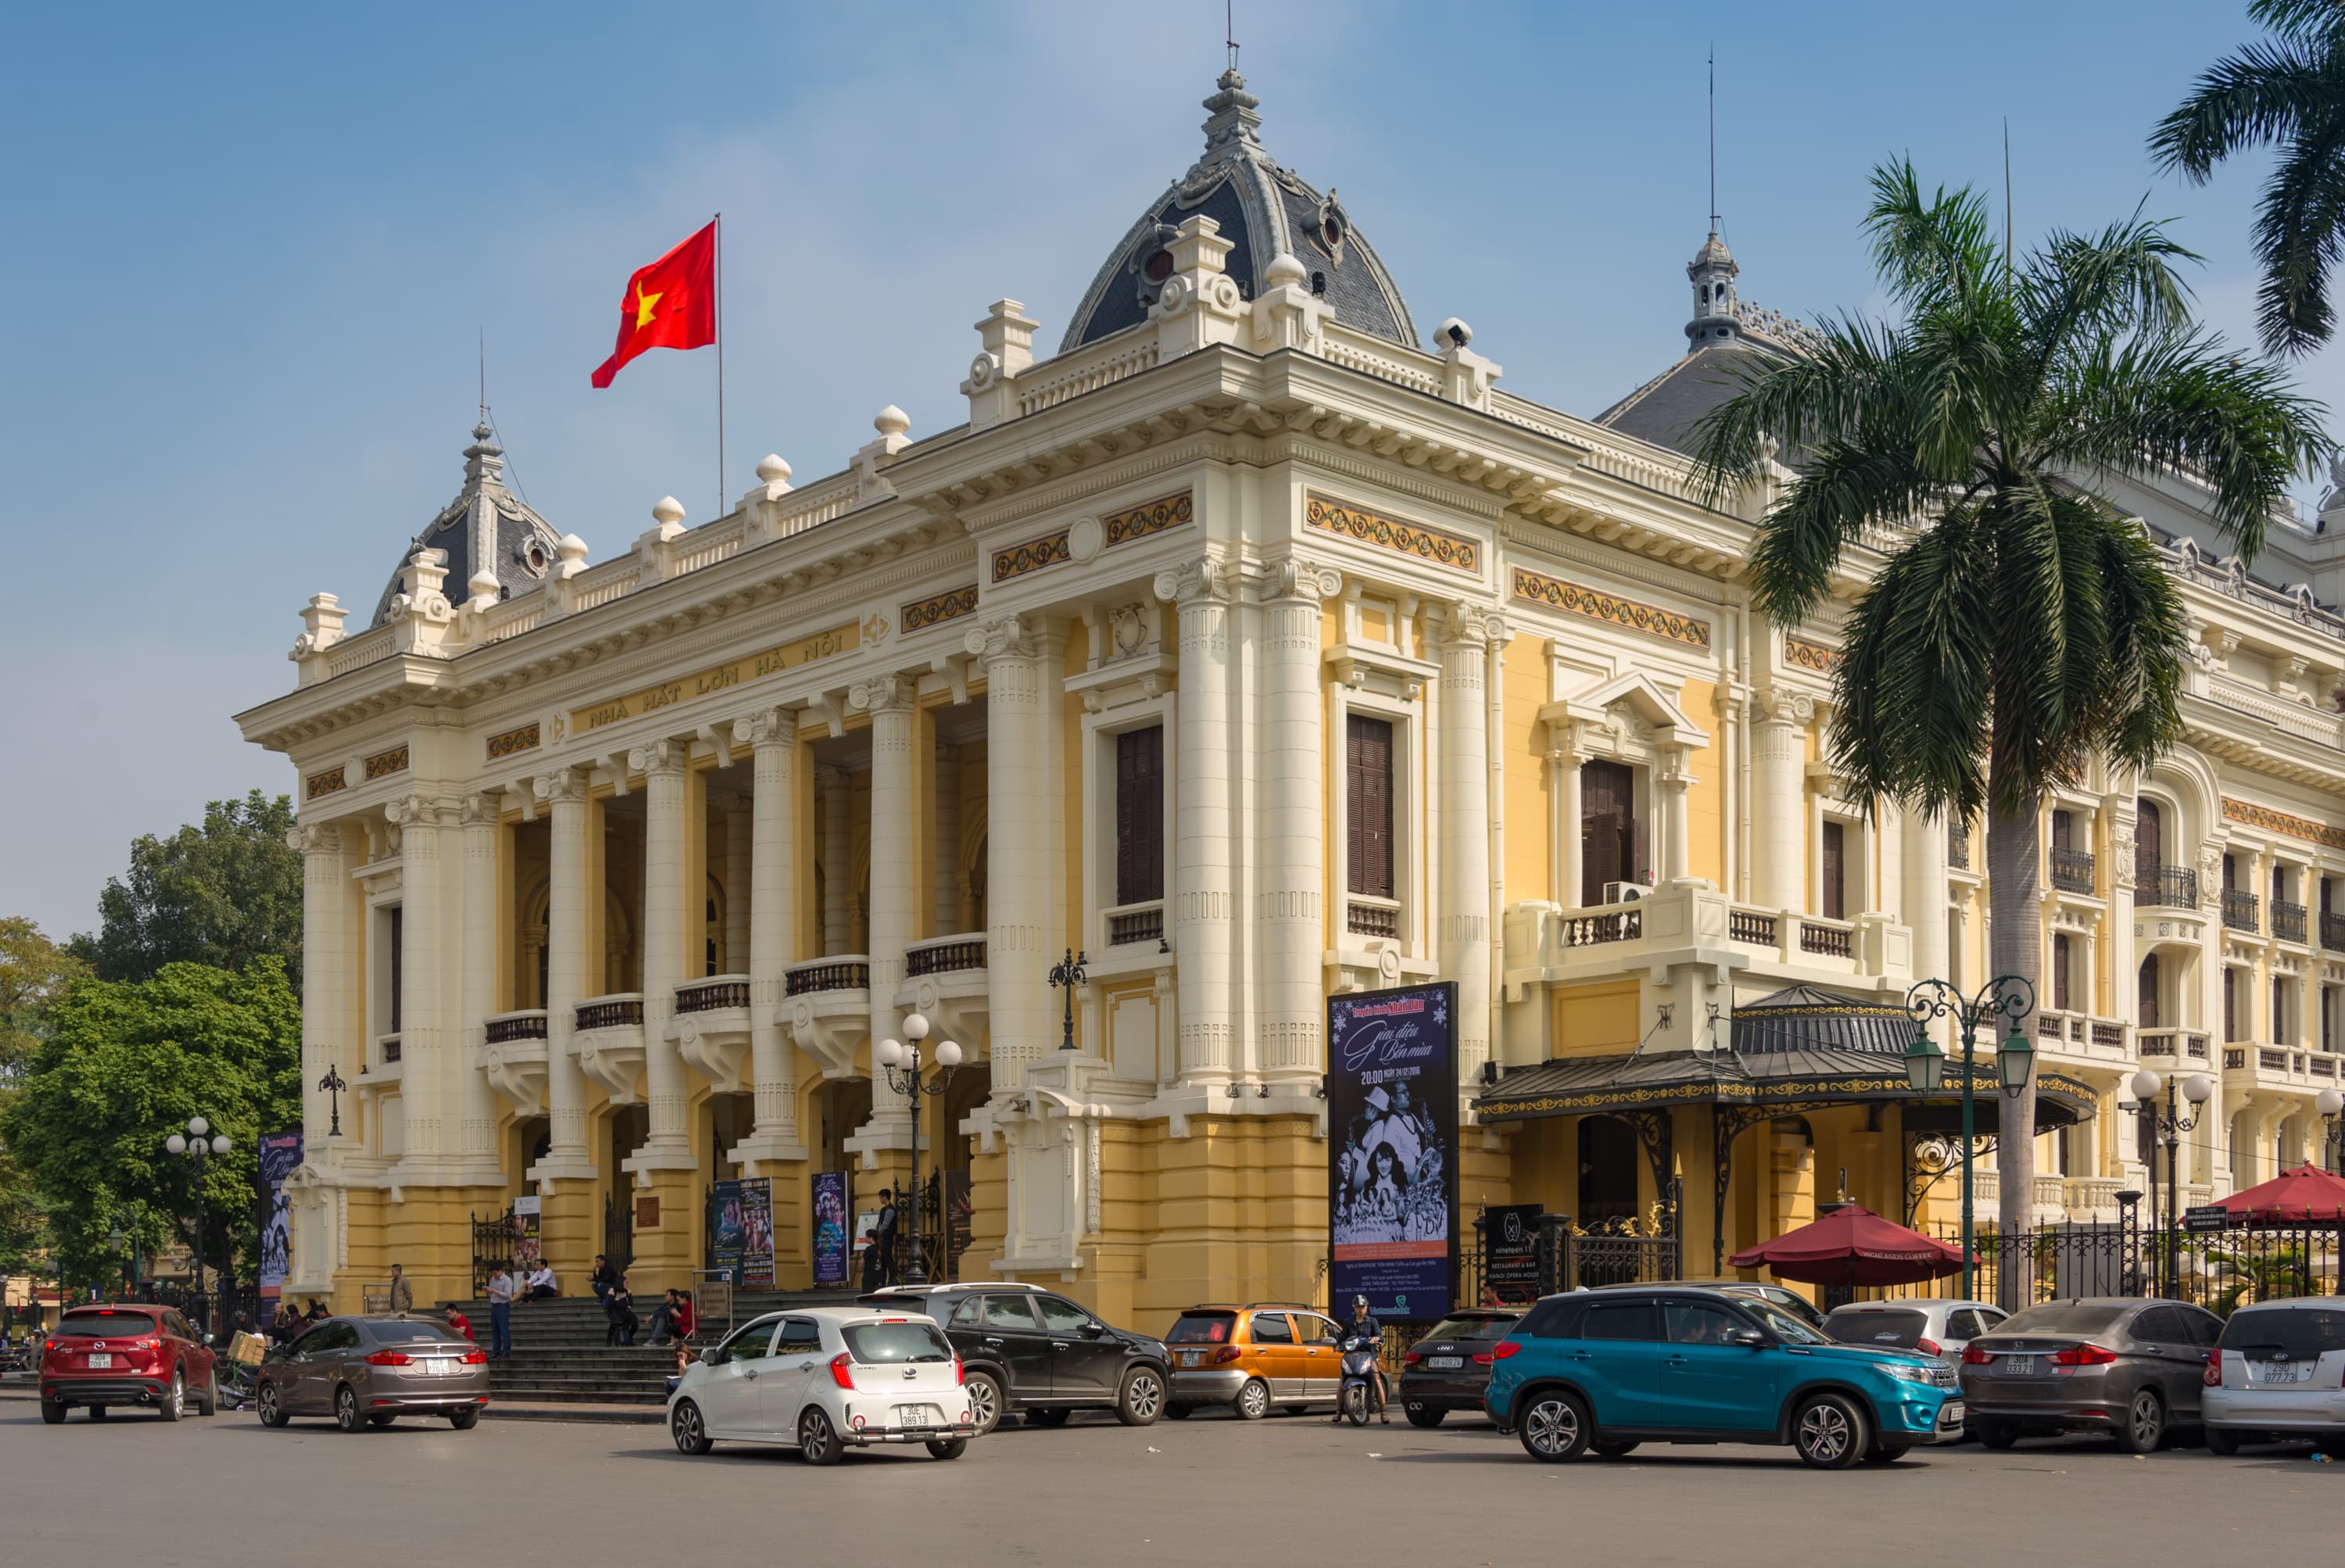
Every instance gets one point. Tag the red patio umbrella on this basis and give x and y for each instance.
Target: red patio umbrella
(2305, 1193)
(1853, 1245)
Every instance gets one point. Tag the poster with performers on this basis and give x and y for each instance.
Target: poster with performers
(279, 1157)
(830, 1243)
(726, 1229)
(1392, 1121)
(528, 1236)
(757, 1234)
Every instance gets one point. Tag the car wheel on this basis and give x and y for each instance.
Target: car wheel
(346, 1408)
(817, 1445)
(1883, 1454)
(1996, 1435)
(950, 1447)
(464, 1420)
(2222, 1441)
(1554, 1427)
(1613, 1448)
(1254, 1400)
(2144, 1426)
(380, 1418)
(690, 1432)
(1141, 1399)
(984, 1401)
(53, 1413)
(175, 1399)
(1179, 1412)
(1421, 1416)
(1054, 1417)
(1829, 1433)
(272, 1414)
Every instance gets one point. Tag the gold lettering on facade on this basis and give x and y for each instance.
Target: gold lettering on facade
(824, 644)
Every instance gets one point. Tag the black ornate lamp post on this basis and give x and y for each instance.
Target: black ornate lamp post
(2330, 1104)
(901, 1062)
(2005, 996)
(333, 1084)
(1066, 975)
(198, 1151)
(2169, 1125)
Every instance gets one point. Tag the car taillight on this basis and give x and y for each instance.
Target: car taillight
(1226, 1353)
(1929, 1346)
(961, 1373)
(476, 1357)
(1412, 1358)
(1504, 1348)
(2213, 1376)
(1974, 1357)
(391, 1358)
(2084, 1356)
(842, 1371)
(1485, 1357)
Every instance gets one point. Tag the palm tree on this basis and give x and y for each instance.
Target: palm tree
(2022, 625)
(2288, 89)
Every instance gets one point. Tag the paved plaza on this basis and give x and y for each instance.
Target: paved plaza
(1211, 1490)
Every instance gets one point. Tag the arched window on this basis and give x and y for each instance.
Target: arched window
(2148, 996)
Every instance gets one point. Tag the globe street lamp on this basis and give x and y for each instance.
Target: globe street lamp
(197, 1151)
(2169, 1126)
(2007, 996)
(901, 1062)
(2330, 1102)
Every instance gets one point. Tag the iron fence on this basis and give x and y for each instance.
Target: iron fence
(2218, 1266)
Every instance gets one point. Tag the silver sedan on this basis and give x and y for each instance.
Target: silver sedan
(370, 1372)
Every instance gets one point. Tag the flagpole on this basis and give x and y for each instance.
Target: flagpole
(720, 364)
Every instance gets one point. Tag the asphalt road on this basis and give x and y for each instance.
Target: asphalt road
(1209, 1491)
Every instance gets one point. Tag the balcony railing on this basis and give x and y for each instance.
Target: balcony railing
(611, 1012)
(2175, 1042)
(2165, 887)
(2332, 931)
(1750, 925)
(846, 973)
(1365, 916)
(718, 991)
(1138, 923)
(390, 1043)
(1623, 924)
(507, 1027)
(2071, 870)
(2288, 920)
(2239, 907)
(945, 955)
(1831, 939)
(1958, 846)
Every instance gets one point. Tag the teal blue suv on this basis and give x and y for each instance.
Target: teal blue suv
(1608, 1370)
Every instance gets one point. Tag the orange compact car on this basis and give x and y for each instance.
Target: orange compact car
(1251, 1358)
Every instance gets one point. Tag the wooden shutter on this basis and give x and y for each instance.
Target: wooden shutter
(1369, 805)
(1607, 849)
(398, 961)
(1835, 845)
(2149, 841)
(2063, 828)
(2230, 1004)
(1140, 815)
(2059, 974)
(2148, 1000)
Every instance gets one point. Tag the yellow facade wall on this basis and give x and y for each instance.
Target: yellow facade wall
(1706, 797)
(1530, 817)
(1596, 1020)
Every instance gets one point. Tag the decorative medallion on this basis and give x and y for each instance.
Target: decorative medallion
(1391, 533)
(1811, 656)
(525, 738)
(1151, 517)
(1596, 605)
(2272, 821)
(384, 764)
(325, 783)
(922, 614)
(1031, 556)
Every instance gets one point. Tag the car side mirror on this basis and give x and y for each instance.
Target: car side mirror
(709, 1357)
(1751, 1338)
(1094, 1330)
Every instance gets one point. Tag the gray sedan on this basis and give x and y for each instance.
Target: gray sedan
(2114, 1364)
(370, 1372)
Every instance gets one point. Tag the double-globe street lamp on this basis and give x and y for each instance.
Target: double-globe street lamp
(2169, 1126)
(2007, 996)
(901, 1062)
(2330, 1104)
(197, 1151)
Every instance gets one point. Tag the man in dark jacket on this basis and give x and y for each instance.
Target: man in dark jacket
(886, 1233)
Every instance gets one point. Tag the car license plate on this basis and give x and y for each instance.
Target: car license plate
(911, 1415)
(1950, 1414)
(1443, 1363)
(101, 1359)
(2281, 1371)
(1191, 1358)
(2015, 1365)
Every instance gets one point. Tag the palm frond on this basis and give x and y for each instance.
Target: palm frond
(1931, 250)
(1796, 401)
(2263, 94)
(1844, 486)
(2301, 18)
(2297, 240)
(2117, 281)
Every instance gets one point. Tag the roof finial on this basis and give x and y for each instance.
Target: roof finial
(1230, 27)
(1713, 138)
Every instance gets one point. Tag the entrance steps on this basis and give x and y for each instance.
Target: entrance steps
(560, 1356)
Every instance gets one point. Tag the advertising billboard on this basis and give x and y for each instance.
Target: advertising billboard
(1392, 1149)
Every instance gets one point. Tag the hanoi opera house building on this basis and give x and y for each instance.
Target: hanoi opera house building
(1263, 654)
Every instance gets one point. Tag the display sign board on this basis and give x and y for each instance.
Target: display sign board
(1392, 1181)
(830, 1227)
(281, 1155)
(1510, 1252)
(2205, 1216)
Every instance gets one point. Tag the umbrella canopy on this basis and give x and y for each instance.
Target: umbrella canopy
(2305, 1193)
(1853, 1245)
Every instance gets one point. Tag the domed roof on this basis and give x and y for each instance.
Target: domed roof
(1264, 210)
(486, 528)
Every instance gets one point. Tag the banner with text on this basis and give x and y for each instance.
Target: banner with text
(1392, 1184)
(830, 1227)
(280, 1157)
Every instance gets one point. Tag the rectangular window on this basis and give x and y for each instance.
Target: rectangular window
(1368, 805)
(1608, 829)
(1140, 815)
(1835, 869)
(2230, 1004)
(2279, 1035)
(398, 960)
(2063, 830)
(2329, 1018)
(2060, 956)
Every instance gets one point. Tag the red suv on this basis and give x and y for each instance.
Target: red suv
(101, 1356)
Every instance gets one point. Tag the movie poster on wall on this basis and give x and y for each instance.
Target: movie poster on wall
(1392, 1121)
(281, 1155)
(757, 1234)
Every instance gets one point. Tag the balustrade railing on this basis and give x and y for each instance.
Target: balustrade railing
(390, 1047)
(1827, 938)
(507, 1027)
(1371, 917)
(849, 972)
(2332, 931)
(611, 1013)
(1139, 923)
(2071, 870)
(718, 991)
(1751, 926)
(945, 955)
(1626, 923)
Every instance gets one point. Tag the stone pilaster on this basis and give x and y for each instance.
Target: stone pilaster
(1463, 828)
(326, 1001)
(832, 804)
(671, 900)
(476, 1111)
(892, 702)
(1779, 872)
(572, 965)
(1291, 857)
(1204, 876)
(422, 1088)
(773, 876)
(947, 856)
(1020, 815)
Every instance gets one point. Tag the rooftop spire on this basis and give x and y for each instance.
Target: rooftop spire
(484, 460)
(1231, 132)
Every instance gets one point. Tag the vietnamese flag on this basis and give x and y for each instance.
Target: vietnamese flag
(670, 304)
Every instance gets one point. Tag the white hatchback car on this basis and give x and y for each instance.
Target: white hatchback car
(823, 1381)
(2279, 1373)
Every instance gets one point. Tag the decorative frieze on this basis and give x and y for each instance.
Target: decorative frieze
(825, 645)
(1148, 517)
(513, 742)
(326, 783)
(1391, 533)
(1811, 656)
(939, 608)
(2250, 815)
(1596, 605)
(384, 764)
(1018, 560)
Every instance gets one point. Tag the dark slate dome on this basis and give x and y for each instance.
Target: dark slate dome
(1264, 209)
(487, 528)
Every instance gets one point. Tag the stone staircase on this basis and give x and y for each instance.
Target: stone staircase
(559, 1355)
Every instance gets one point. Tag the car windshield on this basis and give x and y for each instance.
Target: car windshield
(878, 1343)
(1201, 1329)
(2066, 1317)
(2285, 1333)
(1472, 1326)
(1788, 1326)
(1898, 1330)
(105, 1325)
(410, 1333)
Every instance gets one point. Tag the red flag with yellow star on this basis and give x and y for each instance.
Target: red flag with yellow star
(670, 304)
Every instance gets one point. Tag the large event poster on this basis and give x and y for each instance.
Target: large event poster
(726, 1229)
(830, 1227)
(1392, 1188)
(757, 1234)
(281, 1155)
(528, 1238)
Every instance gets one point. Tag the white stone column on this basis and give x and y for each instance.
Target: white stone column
(736, 887)
(1924, 909)
(571, 965)
(1563, 763)
(1463, 828)
(1779, 872)
(892, 701)
(326, 1002)
(1019, 819)
(1291, 860)
(423, 1094)
(669, 898)
(1203, 877)
(476, 1109)
(834, 869)
(947, 855)
(773, 912)
(1677, 828)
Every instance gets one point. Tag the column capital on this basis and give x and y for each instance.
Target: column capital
(885, 693)
(1209, 579)
(769, 726)
(563, 786)
(1307, 581)
(482, 810)
(409, 811)
(1009, 637)
(1782, 705)
(308, 839)
(667, 758)
(1469, 625)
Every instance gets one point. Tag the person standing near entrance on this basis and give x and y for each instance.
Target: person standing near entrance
(886, 1231)
(500, 1295)
(402, 1293)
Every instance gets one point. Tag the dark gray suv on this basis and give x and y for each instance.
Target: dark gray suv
(1026, 1351)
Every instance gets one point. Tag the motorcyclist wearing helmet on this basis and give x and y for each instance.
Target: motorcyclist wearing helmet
(1364, 1333)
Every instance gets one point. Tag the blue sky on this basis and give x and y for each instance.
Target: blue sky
(249, 248)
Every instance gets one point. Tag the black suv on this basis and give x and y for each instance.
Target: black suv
(1025, 1351)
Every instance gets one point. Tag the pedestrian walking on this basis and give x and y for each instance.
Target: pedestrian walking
(500, 1295)
(402, 1293)
(870, 1260)
(886, 1233)
(618, 1311)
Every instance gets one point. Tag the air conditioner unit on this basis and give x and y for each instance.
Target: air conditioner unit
(1622, 892)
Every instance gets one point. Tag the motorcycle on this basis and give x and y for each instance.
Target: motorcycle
(1359, 1370)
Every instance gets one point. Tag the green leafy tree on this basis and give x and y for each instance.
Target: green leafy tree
(2288, 90)
(125, 1063)
(223, 894)
(34, 972)
(2020, 626)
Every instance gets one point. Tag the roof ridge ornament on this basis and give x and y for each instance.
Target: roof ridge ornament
(484, 460)
(1231, 133)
